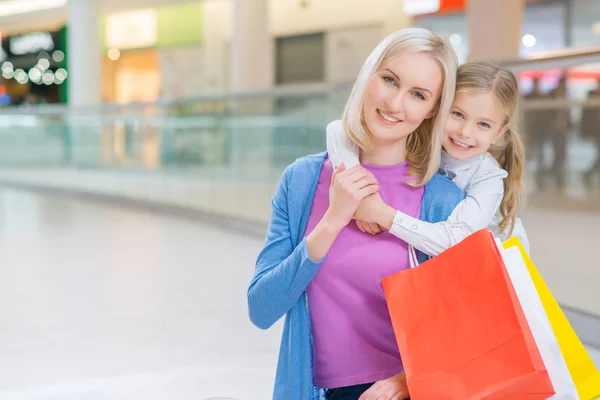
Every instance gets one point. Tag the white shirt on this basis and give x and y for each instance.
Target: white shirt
(481, 178)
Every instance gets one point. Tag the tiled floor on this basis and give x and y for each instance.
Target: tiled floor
(99, 303)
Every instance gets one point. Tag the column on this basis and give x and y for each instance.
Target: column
(252, 67)
(252, 61)
(84, 53)
(217, 23)
(494, 29)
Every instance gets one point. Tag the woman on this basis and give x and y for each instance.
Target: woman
(343, 346)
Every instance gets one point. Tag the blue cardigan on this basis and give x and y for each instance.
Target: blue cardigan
(284, 270)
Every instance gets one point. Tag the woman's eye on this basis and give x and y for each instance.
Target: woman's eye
(457, 114)
(418, 95)
(387, 79)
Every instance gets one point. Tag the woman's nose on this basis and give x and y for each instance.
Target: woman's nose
(396, 103)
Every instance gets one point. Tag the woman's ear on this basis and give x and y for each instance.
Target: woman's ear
(501, 133)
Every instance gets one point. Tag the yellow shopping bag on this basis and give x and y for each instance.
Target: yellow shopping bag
(583, 371)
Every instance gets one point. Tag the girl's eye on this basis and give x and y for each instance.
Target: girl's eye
(387, 79)
(484, 125)
(418, 95)
(457, 114)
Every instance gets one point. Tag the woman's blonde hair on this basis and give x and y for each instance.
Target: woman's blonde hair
(481, 77)
(424, 144)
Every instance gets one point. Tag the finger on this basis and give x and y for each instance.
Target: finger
(349, 187)
(367, 191)
(346, 176)
(399, 396)
(360, 226)
(375, 228)
(349, 172)
(337, 171)
(370, 393)
(389, 393)
(359, 174)
(353, 174)
(369, 229)
(365, 395)
(364, 181)
(395, 395)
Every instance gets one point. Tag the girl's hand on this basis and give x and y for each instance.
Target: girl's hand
(373, 210)
(369, 227)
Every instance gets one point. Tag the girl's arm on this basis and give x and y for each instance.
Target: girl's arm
(339, 146)
(475, 212)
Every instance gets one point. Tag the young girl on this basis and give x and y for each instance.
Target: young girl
(482, 155)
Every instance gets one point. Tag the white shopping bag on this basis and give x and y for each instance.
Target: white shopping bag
(540, 325)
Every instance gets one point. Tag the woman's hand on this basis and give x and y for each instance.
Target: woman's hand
(348, 188)
(373, 215)
(347, 191)
(394, 388)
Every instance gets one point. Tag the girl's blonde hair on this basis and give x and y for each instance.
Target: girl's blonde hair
(424, 144)
(481, 77)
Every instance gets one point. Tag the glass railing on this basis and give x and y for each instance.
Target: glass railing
(254, 135)
(219, 154)
(224, 154)
(265, 129)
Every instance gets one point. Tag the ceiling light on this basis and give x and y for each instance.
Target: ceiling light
(529, 40)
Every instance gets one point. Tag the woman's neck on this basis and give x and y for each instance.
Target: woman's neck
(384, 153)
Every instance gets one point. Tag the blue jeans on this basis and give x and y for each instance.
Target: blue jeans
(348, 392)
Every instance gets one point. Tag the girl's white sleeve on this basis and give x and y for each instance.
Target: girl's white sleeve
(339, 146)
(475, 212)
(518, 231)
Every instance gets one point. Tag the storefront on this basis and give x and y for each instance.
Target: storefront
(153, 53)
(33, 68)
(548, 25)
(545, 27)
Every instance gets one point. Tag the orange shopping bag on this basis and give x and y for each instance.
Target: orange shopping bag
(460, 328)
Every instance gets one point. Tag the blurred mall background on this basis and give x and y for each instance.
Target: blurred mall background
(141, 141)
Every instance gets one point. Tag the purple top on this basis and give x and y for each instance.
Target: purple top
(353, 339)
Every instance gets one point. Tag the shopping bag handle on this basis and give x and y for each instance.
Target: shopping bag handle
(412, 257)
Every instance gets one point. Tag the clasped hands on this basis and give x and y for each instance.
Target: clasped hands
(354, 194)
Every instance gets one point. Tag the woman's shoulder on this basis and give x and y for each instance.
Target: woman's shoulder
(442, 186)
(301, 173)
(305, 167)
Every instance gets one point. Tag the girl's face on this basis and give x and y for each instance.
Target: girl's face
(476, 121)
(403, 92)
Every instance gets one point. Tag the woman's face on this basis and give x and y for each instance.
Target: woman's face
(476, 121)
(403, 92)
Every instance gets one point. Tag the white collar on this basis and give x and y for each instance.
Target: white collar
(451, 164)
